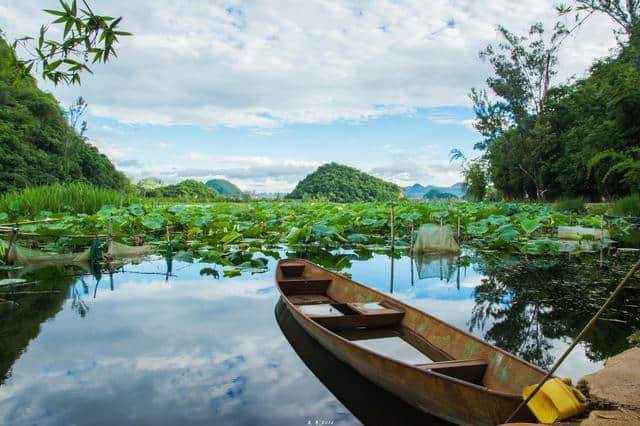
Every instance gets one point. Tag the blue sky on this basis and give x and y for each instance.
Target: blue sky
(262, 93)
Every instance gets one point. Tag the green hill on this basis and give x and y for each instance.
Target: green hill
(37, 146)
(189, 188)
(224, 187)
(335, 182)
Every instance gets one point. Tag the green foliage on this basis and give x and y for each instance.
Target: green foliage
(224, 187)
(583, 143)
(627, 206)
(624, 166)
(476, 180)
(213, 230)
(57, 198)
(573, 205)
(37, 146)
(187, 189)
(86, 36)
(338, 183)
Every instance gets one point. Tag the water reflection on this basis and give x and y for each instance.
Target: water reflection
(368, 402)
(172, 341)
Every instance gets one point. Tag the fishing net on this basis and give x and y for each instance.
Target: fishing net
(435, 238)
(19, 255)
(118, 250)
(578, 232)
(436, 266)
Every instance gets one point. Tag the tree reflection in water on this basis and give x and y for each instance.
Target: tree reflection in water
(527, 303)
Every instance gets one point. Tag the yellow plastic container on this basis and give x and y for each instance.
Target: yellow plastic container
(556, 400)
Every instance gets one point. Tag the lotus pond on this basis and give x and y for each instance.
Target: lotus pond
(214, 231)
(181, 341)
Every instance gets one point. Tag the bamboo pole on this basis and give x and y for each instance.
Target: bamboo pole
(579, 337)
(29, 222)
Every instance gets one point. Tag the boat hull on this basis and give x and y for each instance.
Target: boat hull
(443, 396)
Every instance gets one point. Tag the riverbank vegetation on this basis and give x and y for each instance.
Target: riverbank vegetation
(558, 141)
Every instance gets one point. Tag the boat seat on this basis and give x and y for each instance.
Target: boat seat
(361, 315)
(292, 269)
(310, 299)
(469, 370)
(304, 286)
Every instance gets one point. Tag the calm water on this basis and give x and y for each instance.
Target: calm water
(140, 347)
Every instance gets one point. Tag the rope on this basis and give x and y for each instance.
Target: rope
(579, 337)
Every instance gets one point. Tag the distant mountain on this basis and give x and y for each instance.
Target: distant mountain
(339, 183)
(224, 187)
(418, 191)
(269, 194)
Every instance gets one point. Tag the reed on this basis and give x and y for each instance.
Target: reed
(57, 198)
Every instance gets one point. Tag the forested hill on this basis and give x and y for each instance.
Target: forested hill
(37, 146)
(224, 187)
(335, 182)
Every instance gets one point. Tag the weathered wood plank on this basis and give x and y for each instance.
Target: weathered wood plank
(470, 370)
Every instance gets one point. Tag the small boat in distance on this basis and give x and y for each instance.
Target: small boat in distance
(467, 381)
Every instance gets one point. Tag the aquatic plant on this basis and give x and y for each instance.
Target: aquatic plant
(222, 227)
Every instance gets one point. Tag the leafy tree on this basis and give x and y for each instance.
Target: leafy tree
(523, 67)
(475, 177)
(86, 37)
(626, 14)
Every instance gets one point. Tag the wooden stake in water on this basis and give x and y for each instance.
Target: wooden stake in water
(458, 224)
(411, 250)
(393, 236)
(110, 237)
(393, 244)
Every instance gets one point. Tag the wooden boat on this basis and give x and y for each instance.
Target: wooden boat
(371, 404)
(468, 381)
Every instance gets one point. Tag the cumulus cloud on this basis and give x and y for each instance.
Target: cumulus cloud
(265, 64)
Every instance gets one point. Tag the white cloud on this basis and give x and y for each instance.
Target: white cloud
(264, 64)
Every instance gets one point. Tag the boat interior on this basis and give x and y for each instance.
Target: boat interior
(357, 322)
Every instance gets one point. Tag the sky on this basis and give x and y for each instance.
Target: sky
(263, 92)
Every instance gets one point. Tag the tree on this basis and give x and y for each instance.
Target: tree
(475, 178)
(76, 111)
(86, 36)
(626, 14)
(523, 68)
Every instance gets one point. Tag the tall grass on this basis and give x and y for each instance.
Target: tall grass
(70, 197)
(572, 205)
(627, 206)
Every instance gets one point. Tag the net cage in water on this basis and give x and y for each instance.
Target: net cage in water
(435, 238)
(442, 266)
(19, 255)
